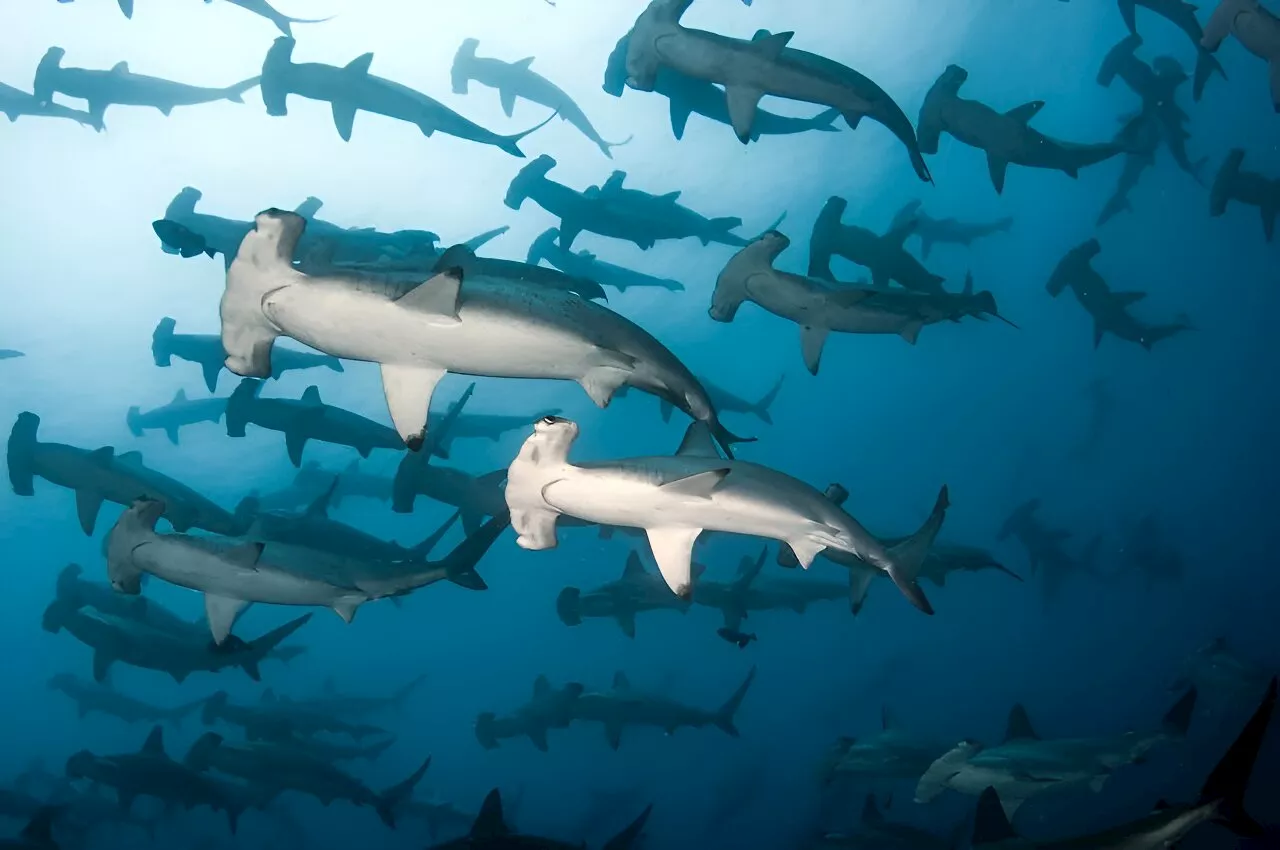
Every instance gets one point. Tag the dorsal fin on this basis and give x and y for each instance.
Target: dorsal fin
(180, 395)
(311, 396)
(103, 455)
(120, 68)
(990, 825)
(634, 567)
(154, 745)
(134, 457)
(1019, 727)
(698, 442)
(770, 44)
(541, 686)
(320, 507)
(437, 296)
(524, 63)
(455, 255)
(1026, 111)
(615, 181)
(360, 65)
(898, 234)
(621, 682)
(670, 196)
(870, 813)
(489, 823)
(836, 494)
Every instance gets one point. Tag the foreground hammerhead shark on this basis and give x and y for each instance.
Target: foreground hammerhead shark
(1006, 138)
(517, 80)
(749, 70)
(352, 88)
(121, 86)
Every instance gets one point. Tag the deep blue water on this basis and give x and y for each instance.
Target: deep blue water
(998, 414)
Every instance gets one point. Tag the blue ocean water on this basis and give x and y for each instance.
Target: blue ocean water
(1132, 452)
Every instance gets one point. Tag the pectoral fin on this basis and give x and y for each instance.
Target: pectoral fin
(222, 613)
(508, 101)
(88, 503)
(408, 390)
(812, 339)
(997, 168)
(673, 550)
(743, 103)
(344, 118)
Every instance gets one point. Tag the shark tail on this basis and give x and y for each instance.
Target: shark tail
(284, 22)
(525, 181)
(907, 558)
(607, 147)
(238, 405)
(627, 837)
(511, 144)
(259, 648)
(725, 437)
(721, 228)
(824, 121)
(1177, 720)
(132, 419)
(761, 407)
(423, 549)
(397, 795)
(233, 93)
(1206, 66)
(460, 564)
(725, 714)
(569, 606)
(22, 445)
(1229, 781)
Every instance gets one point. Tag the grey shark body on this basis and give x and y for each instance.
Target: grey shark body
(1109, 310)
(1183, 16)
(353, 89)
(610, 210)
(516, 80)
(91, 697)
(102, 475)
(15, 103)
(747, 592)
(305, 419)
(548, 708)
(675, 498)
(121, 86)
(455, 423)
(206, 350)
(491, 832)
(178, 654)
(748, 70)
(1250, 188)
(351, 706)
(1006, 138)
(546, 248)
(234, 575)
(819, 307)
(280, 769)
(624, 706)
(1222, 800)
(263, 9)
(688, 96)
(323, 749)
(10, 354)
(476, 497)
(944, 231)
(1254, 26)
(883, 255)
(1025, 766)
(439, 326)
(151, 773)
(635, 592)
(271, 720)
(175, 415)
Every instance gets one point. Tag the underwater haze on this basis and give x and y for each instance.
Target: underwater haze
(684, 295)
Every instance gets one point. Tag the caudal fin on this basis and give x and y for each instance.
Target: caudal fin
(511, 144)
(725, 715)
(908, 557)
(1229, 781)
(233, 93)
(259, 648)
(397, 795)
(761, 407)
(623, 840)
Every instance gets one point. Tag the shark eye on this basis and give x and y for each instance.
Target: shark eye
(550, 420)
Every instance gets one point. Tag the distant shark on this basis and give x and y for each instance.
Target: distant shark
(206, 350)
(91, 697)
(15, 103)
(884, 256)
(584, 264)
(175, 415)
(892, 753)
(119, 85)
(637, 590)
(1006, 137)
(624, 706)
(517, 80)
(548, 708)
(1183, 16)
(353, 89)
(936, 231)
(1247, 187)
